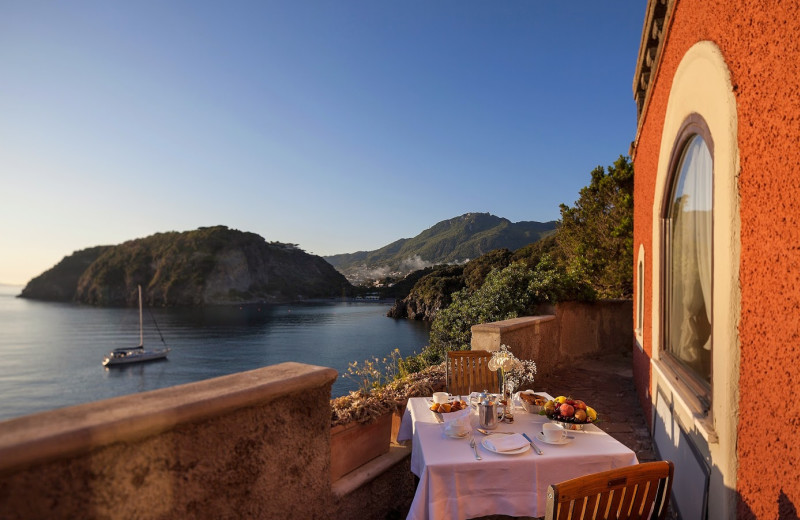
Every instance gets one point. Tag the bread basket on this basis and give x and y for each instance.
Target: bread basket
(531, 402)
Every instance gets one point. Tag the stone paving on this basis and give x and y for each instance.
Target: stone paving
(606, 384)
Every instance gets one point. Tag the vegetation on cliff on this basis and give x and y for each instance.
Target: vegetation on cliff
(58, 283)
(507, 293)
(592, 246)
(589, 256)
(213, 265)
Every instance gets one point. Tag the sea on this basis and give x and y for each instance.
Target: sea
(51, 353)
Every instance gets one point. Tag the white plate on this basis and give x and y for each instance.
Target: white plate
(540, 437)
(511, 452)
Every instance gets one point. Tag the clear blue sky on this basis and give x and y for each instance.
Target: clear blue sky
(337, 125)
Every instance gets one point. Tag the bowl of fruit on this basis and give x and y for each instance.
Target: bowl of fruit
(572, 414)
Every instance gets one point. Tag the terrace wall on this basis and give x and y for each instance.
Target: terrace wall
(250, 445)
(572, 330)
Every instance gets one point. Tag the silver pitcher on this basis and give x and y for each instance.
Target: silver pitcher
(487, 413)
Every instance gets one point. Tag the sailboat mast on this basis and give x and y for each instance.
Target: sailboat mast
(141, 333)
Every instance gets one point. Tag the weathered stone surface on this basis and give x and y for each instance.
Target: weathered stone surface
(247, 445)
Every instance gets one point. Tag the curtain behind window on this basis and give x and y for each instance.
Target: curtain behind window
(689, 321)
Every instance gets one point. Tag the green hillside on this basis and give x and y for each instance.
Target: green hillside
(213, 265)
(452, 241)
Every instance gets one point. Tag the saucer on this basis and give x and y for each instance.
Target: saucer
(540, 437)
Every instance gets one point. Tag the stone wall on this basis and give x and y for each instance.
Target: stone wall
(572, 331)
(249, 445)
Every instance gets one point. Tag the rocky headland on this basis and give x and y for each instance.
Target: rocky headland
(207, 266)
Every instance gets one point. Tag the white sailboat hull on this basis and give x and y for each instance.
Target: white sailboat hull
(124, 357)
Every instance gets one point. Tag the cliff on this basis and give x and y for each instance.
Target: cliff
(429, 294)
(213, 265)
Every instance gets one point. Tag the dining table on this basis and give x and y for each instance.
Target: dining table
(454, 484)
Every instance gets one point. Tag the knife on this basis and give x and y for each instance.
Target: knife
(535, 447)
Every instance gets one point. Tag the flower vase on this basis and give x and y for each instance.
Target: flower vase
(507, 394)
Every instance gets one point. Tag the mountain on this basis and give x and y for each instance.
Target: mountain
(212, 265)
(452, 241)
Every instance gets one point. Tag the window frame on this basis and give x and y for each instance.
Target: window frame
(693, 125)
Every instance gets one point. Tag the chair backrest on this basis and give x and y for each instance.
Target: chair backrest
(468, 371)
(633, 492)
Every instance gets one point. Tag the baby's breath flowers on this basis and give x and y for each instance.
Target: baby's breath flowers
(513, 371)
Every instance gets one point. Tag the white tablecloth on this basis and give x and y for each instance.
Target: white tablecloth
(453, 485)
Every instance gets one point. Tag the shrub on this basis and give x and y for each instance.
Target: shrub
(507, 293)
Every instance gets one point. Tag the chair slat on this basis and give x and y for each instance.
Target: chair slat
(616, 499)
(632, 494)
(602, 504)
(628, 493)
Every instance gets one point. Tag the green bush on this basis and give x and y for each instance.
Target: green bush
(507, 293)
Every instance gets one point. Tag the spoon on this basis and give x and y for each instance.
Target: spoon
(486, 432)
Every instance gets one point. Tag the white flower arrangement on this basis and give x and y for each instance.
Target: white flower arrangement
(513, 371)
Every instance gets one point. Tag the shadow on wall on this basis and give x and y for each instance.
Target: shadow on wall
(786, 508)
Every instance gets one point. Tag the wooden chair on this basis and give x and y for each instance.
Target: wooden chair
(633, 492)
(468, 371)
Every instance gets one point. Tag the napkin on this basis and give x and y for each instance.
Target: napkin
(456, 423)
(506, 442)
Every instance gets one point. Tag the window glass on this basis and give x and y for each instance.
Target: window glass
(640, 296)
(688, 320)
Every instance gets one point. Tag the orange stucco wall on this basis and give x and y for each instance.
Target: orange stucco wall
(759, 43)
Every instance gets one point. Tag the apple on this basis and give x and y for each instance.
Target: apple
(580, 415)
(579, 405)
(566, 410)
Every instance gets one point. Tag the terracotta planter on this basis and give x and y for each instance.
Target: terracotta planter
(353, 445)
(397, 418)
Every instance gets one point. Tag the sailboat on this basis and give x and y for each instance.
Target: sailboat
(123, 356)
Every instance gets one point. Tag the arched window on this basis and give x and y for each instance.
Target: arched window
(689, 265)
(640, 292)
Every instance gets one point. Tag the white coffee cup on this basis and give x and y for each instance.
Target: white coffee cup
(440, 397)
(553, 432)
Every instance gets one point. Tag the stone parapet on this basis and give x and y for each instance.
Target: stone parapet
(244, 445)
(529, 337)
(574, 330)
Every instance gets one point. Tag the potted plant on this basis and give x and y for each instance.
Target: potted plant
(364, 422)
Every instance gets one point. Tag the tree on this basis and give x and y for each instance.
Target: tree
(596, 235)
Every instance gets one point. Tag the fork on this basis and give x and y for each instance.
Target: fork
(474, 448)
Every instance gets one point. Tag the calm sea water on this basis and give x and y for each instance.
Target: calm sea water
(51, 353)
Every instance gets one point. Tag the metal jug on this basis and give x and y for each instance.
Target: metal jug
(487, 413)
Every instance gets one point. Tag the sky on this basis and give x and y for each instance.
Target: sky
(338, 126)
